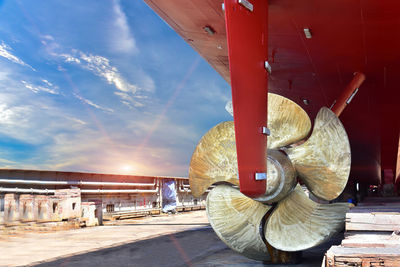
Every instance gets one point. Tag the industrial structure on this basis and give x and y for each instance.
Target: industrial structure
(39, 197)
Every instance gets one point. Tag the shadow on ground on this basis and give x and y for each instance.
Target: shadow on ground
(200, 247)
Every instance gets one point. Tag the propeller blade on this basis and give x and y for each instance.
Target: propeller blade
(214, 159)
(323, 161)
(236, 219)
(287, 122)
(298, 223)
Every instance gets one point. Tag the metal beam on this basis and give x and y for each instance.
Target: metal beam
(349, 92)
(246, 27)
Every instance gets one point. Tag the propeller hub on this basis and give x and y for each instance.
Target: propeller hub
(281, 177)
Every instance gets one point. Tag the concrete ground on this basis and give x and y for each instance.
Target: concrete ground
(185, 239)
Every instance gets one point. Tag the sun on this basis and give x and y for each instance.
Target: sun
(126, 168)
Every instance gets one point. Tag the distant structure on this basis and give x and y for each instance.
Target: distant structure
(31, 197)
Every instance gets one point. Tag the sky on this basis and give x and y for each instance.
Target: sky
(101, 86)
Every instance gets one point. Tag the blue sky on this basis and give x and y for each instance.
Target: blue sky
(101, 86)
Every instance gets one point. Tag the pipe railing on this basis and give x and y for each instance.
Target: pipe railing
(40, 182)
(27, 190)
(182, 188)
(84, 191)
(110, 191)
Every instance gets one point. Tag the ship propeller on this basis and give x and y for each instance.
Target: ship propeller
(214, 159)
(293, 222)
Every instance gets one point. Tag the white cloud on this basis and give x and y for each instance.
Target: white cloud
(122, 39)
(90, 103)
(69, 58)
(130, 94)
(6, 161)
(5, 51)
(12, 116)
(48, 37)
(100, 66)
(81, 122)
(48, 88)
(128, 100)
(6, 114)
(89, 150)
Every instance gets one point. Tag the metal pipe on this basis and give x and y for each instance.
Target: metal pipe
(118, 184)
(190, 191)
(106, 191)
(39, 182)
(183, 190)
(26, 190)
(347, 95)
(85, 191)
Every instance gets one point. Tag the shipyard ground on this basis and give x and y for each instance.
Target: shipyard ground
(185, 239)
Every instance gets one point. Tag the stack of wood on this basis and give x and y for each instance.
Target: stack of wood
(372, 235)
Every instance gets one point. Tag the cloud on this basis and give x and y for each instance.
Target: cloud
(87, 150)
(13, 115)
(48, 88)
(6, 161)
(74, 142)
(128, 100)
(122, 39)
(90, 103)
(81, 122)
(100, 66)
(6, 114)
(71, 59)
(8, 164)
(131, 95)
(5, 51)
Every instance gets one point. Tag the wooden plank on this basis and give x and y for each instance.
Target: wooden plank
(345, 256)
(349, 234)
(373, 221)
(340, 251)
(373, 239)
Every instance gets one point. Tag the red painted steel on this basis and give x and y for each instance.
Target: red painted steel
(248, 51)
(347, 36)
(341, 102)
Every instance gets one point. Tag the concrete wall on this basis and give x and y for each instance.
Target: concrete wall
(28, 209)
(11, 209)
(44, 208)
(23, 208)
(68, 203)
(89, 214)
(1, 209)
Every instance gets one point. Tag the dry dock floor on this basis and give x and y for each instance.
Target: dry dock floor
(184, 239)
